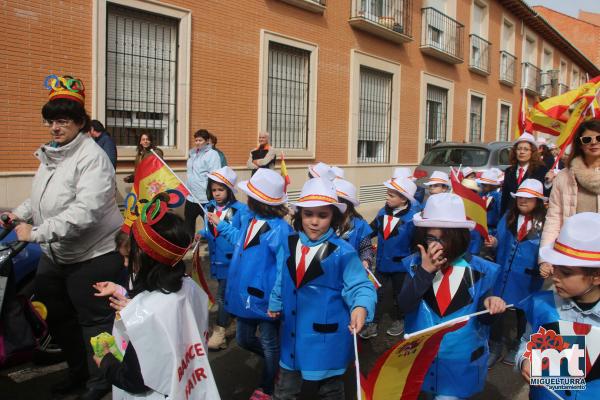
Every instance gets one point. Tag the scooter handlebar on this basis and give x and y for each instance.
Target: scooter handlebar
(8, 226)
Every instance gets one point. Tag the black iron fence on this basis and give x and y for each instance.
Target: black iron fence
(392, 14)
(530, 77)
(442, 32)
(480, 53)
(507, 67)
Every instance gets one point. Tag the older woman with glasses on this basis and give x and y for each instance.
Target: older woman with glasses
(72, 214)
(525, 164)
(576, 189)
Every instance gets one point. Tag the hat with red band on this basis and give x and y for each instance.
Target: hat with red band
(318, 192)
(578, 243)
(65, 87)
(153, 244)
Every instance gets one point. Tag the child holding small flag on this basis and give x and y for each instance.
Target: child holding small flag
(321, 291)
(394, 229)
(258, 249)
(573, 308)
(489, 182)
(518, 243)
(222, 202)
(445, 282)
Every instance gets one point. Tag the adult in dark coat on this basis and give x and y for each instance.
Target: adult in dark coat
(525, 164)
(103, 139)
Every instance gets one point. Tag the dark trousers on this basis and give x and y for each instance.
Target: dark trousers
(498, 331)
(191, 212)
(223, 315)
(289, 386)
(74, 313)
(397, 279)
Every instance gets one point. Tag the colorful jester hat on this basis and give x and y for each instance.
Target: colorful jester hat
(156, 246)
(65, 87)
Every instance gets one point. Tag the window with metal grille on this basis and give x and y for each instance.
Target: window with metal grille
(288, 90)
(141, 75)
(475, 116)
(375, 116)
(436, 110)
(504, 122)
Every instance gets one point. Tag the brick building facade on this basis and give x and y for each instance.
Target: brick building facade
(363, 84)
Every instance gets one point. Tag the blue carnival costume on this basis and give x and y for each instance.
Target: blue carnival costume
(257, 251)
(221, 250)
(359, 231)
(459, 368)
(548, 310)
(520, 275)
(316, 311)
(393, 248)
(493, 202)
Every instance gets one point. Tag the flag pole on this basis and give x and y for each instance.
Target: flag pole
(356, 366)
(178, 178)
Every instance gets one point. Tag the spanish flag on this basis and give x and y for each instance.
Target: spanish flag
(475, 208)
(152, 176)
(284, 173)
(400, 371)
(557, 107)
(523, 116)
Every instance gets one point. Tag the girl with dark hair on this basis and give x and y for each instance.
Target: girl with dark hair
(164, 317)
(258, 250)
(202, 160)
(577, 187)
(517, 242)
(321, 290)
(74, 218)
(445, 282)
(143, 149)
(525, 164)
(222, 202)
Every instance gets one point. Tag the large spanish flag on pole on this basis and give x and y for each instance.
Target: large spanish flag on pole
(152, 176)
(400, 371)
(475, 208)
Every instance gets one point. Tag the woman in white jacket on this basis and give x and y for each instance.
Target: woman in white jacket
(72, 214)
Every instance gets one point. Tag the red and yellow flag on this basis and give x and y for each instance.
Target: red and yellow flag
(523, 116)
(400, 371)
(284, 173)
(475, 208)
(152, 176)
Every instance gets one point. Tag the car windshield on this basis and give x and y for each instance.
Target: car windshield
(455, 156)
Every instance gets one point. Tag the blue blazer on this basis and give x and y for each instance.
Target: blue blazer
(398, 245)
(520, 274)
(358, 232)
(219, 248)
(253, 268)
(460, 367)
(493, 209)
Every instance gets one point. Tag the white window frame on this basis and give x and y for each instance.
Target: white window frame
(560, 71)
(486, 18)
(263, 92)
(358, 59)
(546, 46)
(182, 139)
(499, 114)
(482, 96)
(429, 79)
(508, 47)
(574, 69)
(529, 34)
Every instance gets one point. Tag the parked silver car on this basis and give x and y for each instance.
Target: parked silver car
(479, 156)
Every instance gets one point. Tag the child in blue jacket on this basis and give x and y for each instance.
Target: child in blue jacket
(258, 249)
(446, 282)
(394, 228)
(322, 295)
(573, 308)
(222, 202)
(517, 243)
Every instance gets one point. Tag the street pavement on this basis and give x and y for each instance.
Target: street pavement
(237, 371)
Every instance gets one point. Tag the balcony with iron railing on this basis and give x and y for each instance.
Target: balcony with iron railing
(441, 36)
(507, 68)
(389, 19)
(530, 77)
(549, 83)
(316, 6)
(479, 62)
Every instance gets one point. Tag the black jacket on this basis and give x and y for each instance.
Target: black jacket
(510, 183)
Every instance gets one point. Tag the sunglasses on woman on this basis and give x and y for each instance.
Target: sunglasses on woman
(588, 139)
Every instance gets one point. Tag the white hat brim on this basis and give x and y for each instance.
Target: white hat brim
(354, 202)
(243, 185)
(217, 179)
(437, 223)
(487, 183)
(528, 196)
(533, 142)
(548, 254)
(436, 183)
(318, 203)
(405, 194)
